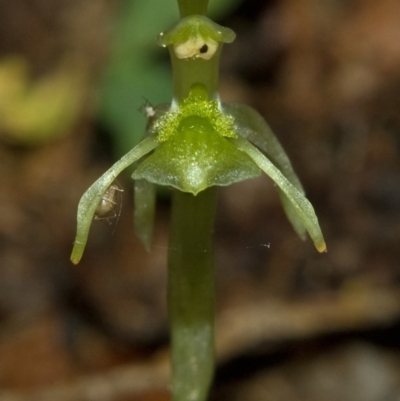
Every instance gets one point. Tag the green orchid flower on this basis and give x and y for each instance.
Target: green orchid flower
(194, 145)
(198, 142)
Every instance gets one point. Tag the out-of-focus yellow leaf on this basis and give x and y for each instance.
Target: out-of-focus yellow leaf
(33, 112)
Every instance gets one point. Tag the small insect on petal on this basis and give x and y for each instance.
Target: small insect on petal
(93, 196)
(147, 109)
(108, 203)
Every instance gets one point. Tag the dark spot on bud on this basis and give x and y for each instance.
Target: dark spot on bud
(203, 49)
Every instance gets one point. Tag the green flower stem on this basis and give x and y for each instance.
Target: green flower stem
(187, 72)
(191, 293)
(189, 7)
(191, 288)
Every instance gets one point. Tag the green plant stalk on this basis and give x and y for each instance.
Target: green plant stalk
(195, 71)
(191, 293)
(189, 7)
(191, 277)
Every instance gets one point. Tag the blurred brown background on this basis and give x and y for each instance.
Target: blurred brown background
(292, 324)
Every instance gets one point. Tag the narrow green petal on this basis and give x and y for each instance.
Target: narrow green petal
(251, 125)
(300, 204)
(292, 215)
(91, 198)
(145, 202)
